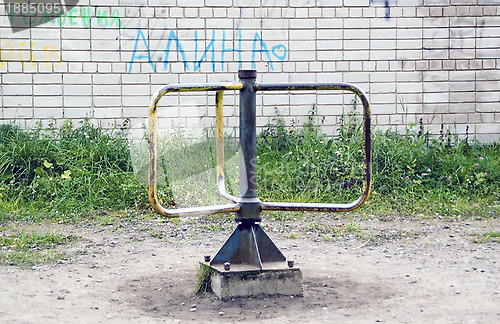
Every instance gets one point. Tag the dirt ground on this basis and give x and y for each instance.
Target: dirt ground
(369, 270)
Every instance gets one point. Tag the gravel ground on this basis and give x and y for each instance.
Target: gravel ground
(355, 270)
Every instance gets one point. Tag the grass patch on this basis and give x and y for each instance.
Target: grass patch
(487, 237)
(413, 173)
(29, 249)
(72, 173)
(204, 279)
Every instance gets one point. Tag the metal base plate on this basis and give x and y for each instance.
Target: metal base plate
(241, 281)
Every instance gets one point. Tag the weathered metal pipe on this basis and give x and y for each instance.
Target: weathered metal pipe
(248, 207)
(153, 137)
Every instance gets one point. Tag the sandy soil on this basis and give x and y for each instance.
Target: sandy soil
(393, 271)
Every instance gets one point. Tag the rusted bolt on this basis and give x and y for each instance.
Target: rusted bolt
(290, 263)
(227, 266)
(207, 258)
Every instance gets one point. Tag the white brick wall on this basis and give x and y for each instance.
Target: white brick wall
(440, 58)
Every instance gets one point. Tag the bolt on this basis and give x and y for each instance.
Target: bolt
(227, 266)
(207, 258)
(290, 263)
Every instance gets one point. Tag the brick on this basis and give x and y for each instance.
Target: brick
(107, 101)
(18, 112)
(77, 101)
(382, 65)
(355, 66)
(76, 55)
(415, 44)
(382, 34)
(356, 3)
(302, 13)
(491, 85)
(104, 79)
(436, 97)
(320, 45)
(47, 89)
(208, 13)
(17, 89)
(105, 56)
(49, 102)
(409, 88)
(191, 3)
(356, 44)
(462, 75)
(329, 3)
(405, 23)
(14, 67)
(315, 13)
(328, 34)
(356, 23)
(383, 77)
(299, 34)
(108, 112)
(164, 3)
(382, 88)
(302, 23)
(76, 79)
(17, 102)
(383, 55)
(493, 96)
(78, 113)
(106, 90)
(78, 90)
(485, 128)
(357, 34)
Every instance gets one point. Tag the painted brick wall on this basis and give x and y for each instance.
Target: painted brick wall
(435, 60)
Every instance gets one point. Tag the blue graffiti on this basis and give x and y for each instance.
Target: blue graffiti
(210, 45)
(224, 49)
(142, 53)
(178, 45)
(140, 35)
(387, 7)
(263, 49)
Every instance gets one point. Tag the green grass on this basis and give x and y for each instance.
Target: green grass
(487, 237)
(28, 249)
(72, 172)
(203, 279)
(82, 172)
(413, 173)
(64, 172)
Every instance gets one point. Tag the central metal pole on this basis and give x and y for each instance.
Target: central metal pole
(248, 246)
(250, 204)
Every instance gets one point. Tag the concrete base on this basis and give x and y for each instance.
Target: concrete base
(273, 280)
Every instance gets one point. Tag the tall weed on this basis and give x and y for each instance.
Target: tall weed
(412, 172)
(66, 169)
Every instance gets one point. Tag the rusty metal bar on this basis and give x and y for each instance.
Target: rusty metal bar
(248, 89)
(153, 137)
(219, 146)
(325, 207)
